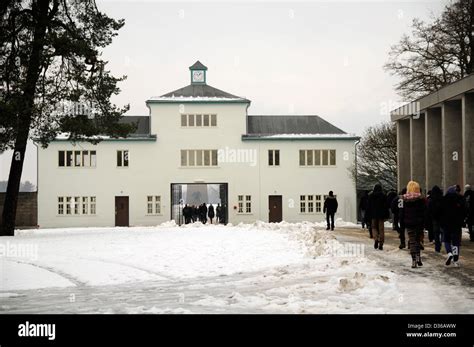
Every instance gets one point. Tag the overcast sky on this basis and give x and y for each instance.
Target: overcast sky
(309, 57)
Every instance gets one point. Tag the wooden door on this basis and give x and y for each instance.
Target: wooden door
(275, 213)
(121, 211)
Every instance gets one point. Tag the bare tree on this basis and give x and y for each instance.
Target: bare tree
(377, 157)
(50, 55)
(436, 53)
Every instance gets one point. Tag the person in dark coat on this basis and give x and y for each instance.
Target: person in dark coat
(433, 215)
(414, 207)
(204, 213)
(378, 210)
(469, 198)
(187, 214)
(330, 208)
(222, 217)
(218, 213)
(363, 204)
(210, 212)
(392, 195)
(452, 219)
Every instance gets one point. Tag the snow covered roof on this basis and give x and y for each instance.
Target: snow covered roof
(141, 133)
(197, 93)
(294, 126)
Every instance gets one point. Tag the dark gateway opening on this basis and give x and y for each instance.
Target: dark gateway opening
(196, 194)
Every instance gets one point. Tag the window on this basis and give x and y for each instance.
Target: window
(199, 157)
(153, 204)
(122, 158)
(309, 158)
(317, 157)
(214, 157)
(61, 161)
(76, 204)
(157, 204)
(240, 200)
(60, 205)
(302, 203)
(93, 205)
(68, 205)
(332, 157)
(325, 158)
(77, 158)
(302, 158)
(318, 203)
(85, 205)
(248, 204)
(310, 204)
(85, 158)
(273, 157)
(199, 120)
(191, 158)
(184, 158)
(244, 203)
(69, 158)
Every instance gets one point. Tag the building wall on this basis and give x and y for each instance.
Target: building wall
(27, 209)
(155, 165)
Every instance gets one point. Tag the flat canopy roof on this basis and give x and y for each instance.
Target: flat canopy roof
(452, 91)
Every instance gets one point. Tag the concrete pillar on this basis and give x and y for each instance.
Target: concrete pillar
(433, 146)
(468, 137)
(451, 127)
(417, 150)
(403, 152)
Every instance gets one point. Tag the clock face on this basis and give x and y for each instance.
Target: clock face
(198, 76)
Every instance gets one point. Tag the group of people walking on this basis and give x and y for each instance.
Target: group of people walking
(442, 215)
(204, 213)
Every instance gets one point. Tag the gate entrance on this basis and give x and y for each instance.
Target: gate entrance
(196, 194)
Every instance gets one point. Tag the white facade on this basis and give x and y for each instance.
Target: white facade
(155, 164)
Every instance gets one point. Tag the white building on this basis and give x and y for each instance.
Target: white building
(198, 144)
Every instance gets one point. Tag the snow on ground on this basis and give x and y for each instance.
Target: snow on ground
(247, 268)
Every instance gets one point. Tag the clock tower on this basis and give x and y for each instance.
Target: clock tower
(198, 73)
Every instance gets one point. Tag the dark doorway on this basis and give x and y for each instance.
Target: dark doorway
(196, 194)
(275, 214)
(121, 211)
